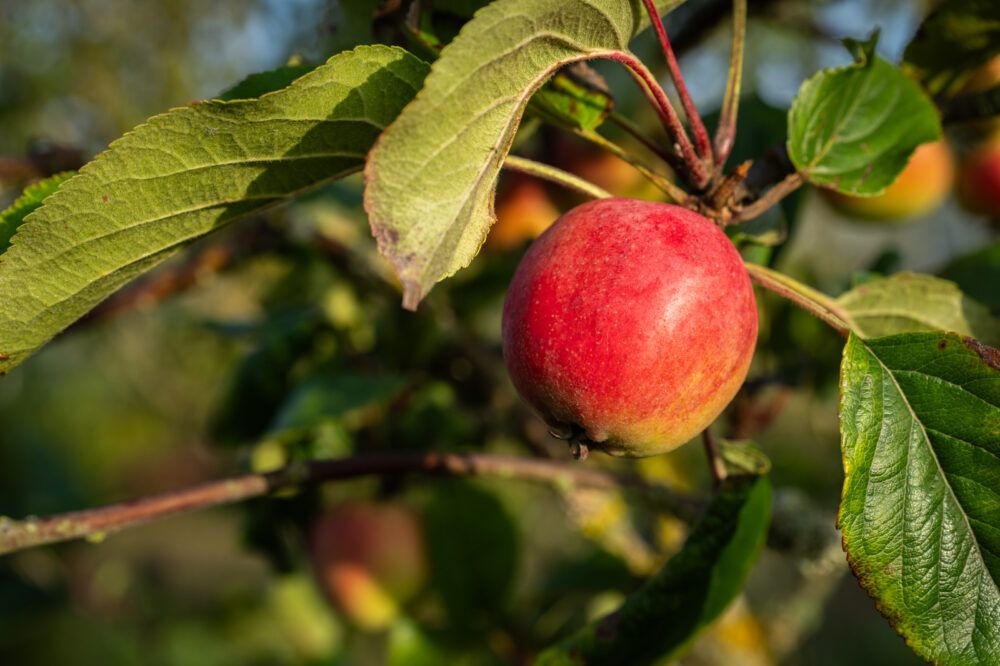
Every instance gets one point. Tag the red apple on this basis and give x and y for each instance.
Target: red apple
(923, 185)
(524, 210)
(979, 179)
(630, 322)
(370, 559)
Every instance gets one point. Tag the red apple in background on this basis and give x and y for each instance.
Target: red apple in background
(523, 210)
(984, 78)
(370, 558)
(630, 322)
(604, 169)
(923, 185)
(979, 179)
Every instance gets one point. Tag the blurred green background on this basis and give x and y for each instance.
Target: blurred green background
(297, 348)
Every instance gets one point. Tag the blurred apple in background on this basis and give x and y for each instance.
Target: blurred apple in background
(979, 178)
(371, 560)
(920, 189)
(524, 210)
(617, 176)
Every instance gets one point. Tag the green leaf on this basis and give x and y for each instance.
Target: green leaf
(743, 458)
(854, 128)
(910, 302)
(431, 177)
(263, 378)
(571, 102)
(261, 83)
(28, 202)
(863, 52)
(955, 39)
(466, 524)
(661, 618)
(978, 275)
(327, 396)
(184, 174)
(920, 513)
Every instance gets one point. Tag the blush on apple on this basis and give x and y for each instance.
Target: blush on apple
(370, 559)
(631, 324)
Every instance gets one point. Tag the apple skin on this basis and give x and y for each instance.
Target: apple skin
(524, 210)
(923, 185)
(632, 322)
(371, 559)
(979, 179)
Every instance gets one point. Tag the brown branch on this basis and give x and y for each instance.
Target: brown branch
(20, 534)
(43, 160)
(782, 189)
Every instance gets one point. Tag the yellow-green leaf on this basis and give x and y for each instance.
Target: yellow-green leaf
(185, 173)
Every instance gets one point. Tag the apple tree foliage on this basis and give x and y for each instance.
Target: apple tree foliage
(431, 129)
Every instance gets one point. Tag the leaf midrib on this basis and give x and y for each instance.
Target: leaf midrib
(937, 463)
(820, 154)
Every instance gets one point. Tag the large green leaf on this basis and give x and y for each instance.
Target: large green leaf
(29, 201)
(957, 37)
(854, 128)
(909, 302)
(920, 514)
(432, 175)
(661, 618)
(184, 174)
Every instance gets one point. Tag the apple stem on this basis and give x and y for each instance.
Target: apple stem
(729, 188)
(555, 175)
(704, 145)
(807, 298)
(94, 524)
(715, 463)
(725, 134)
(779, 191)
(676, 194)
(695, 170)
